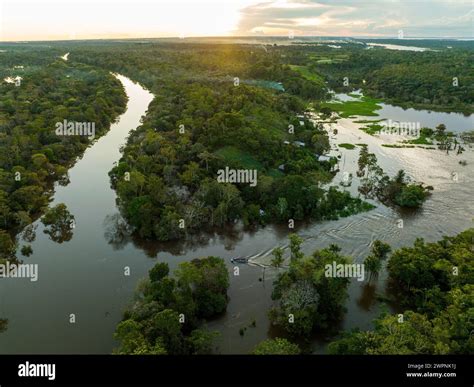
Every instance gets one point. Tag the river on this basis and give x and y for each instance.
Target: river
(398, 47)
(85, 276)
(455, 122)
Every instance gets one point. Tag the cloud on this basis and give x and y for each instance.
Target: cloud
(429, 18)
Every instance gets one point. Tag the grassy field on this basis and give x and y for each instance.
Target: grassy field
(241, 159)
(234, 156)
(422, 140)
(325, 61)
(368, 121)
(308, 74)
(372, 129)
(366, 106)
(346, 145)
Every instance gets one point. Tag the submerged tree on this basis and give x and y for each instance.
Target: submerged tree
(3, 324)
(434, 281)
(373, 265)
(307, 298)
(59, 223)
(373, 262)
(376, 184)
(295, 246)
(277, 259)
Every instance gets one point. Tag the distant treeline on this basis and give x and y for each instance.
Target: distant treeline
(439, 79)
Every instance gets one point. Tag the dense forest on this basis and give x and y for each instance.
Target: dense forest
(32, 155)
(440, 79)
(210, 113)
(167, 315)
(434, 284)
(216, 106)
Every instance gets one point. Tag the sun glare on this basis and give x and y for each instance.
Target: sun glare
(108, 19)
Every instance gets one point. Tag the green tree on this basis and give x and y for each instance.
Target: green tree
(412, 195)
(440, 130)
(201, 341)
(278, 259)
(59, 223)
(165, 325)
(208, 281)
(307, 298)
(373, 265)
(380, 249)
(277, 346)
(132, 341)
(26, 250)
(295, 246)
(7, 246)
(159, 271)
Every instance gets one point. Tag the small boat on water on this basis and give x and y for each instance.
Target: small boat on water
(239, 260)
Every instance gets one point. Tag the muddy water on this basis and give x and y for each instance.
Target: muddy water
(448, 211)
(85, 276)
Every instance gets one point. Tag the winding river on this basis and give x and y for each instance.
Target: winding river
(86, 276)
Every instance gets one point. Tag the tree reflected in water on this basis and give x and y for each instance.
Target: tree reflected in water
(59, 223)
(3, 324)
(117, 231)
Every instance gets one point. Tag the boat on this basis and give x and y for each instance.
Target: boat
(239, 260)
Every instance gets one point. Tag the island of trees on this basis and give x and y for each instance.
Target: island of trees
(168, 311)
(207, 115)
(397, 190)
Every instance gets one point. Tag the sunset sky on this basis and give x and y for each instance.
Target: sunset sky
(96, 19)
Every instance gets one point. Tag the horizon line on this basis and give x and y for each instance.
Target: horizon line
(296, 37)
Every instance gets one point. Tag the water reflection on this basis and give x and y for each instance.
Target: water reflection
(455, 122)
(227, 236)
(59, 224)
(367, 297)
(3, 324)
(117, 232)
(29, 233)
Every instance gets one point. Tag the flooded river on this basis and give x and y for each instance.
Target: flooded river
(85, 276)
